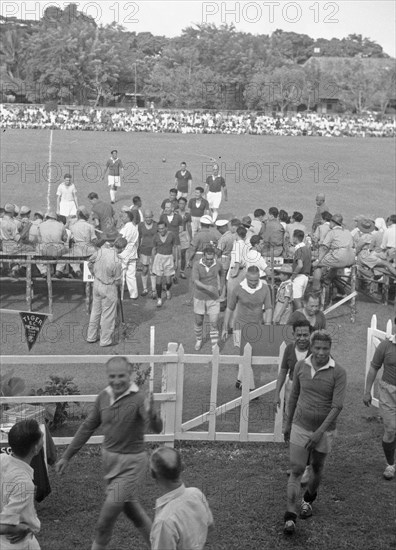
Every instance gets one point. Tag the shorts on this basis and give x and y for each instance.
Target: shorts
(144, 260)
(214, 199)
(123, 474)
(210, 307)
(67, 208)
(163, 265)
(28, 543)
(182, 194)
(387, 405)
(299, 436)
(114, 181)
(299, 286)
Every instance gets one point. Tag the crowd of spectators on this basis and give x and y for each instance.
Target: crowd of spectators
(196, 122)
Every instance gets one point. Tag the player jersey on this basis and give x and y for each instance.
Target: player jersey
(146, 237)
(182, 180)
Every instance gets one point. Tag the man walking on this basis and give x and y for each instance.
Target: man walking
(183, 181)
(116, 168)
(147, 231)
(124, 415)
(215, 189)
(182, 515)
(316, 400)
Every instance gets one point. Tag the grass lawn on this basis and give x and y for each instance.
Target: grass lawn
(245, 483)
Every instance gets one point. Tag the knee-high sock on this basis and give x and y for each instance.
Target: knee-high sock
(112, 195)
(389, 451)
(198, 330)
(144, 281)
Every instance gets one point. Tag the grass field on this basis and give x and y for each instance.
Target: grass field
(245, 484)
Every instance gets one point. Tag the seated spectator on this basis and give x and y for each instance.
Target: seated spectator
(322, 229)
(257, 226)
(389, 239)
(51, 239)
(367, 256)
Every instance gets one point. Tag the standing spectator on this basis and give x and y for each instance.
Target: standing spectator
(389, 239)
(207, 276)
(136, 210)
(316, 399)
(116, 168)
(129, 256)
(147, 231)
(185, 235)
(66, 197)
(164, 256)
(258, 225)
(225, 244)
(18, 518)
(106, 267)
(215, 189)
(250, 297)
(385, 356)
(274, 234)
(197, 207)
(84, 238)
(321, 207)
(301, 267)
(182, 515)
(183, 181)
(9, 230)
(284, 295)
(102, 214)
(124, 414)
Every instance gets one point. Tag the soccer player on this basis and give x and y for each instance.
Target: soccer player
(197, 207)
(215, 189)
(66, 197)
(124, 414)
(116, 168)
(147, 231)
(316, 400)
(185, 235)
(183, 181)
(164, 256)
(172, 199)
(208, 278)
(18, 518)
(385, 356)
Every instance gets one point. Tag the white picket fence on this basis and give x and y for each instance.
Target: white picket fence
(170, 398)
(374, 337)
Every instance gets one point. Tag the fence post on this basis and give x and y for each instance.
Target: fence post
(169, 382)
(279, 413)
(213, 393)
(245, 402)
(179, 392)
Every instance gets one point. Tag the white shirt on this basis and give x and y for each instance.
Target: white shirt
(389, 238)
(239, 255)
(181, 522)
(130, 232)
(330, 363)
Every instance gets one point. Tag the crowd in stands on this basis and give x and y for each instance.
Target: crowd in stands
(197, 122)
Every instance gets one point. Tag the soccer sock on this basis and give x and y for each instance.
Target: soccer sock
(214, 336)
(153, 281)
(112, 195)
(389, 451)
(144, 281)
(168, 286)
(290, 516)
(308, 497)
(97, 546)
(198, 329)
(159, 290)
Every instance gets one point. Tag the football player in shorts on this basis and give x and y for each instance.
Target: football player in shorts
(215, 188)
(115, 167)
(164, 255)
(147, 231)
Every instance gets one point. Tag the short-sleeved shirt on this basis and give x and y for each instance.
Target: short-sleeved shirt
(174, 222)
(82, 232)
(114, 166)
(226, 243)
(146, 237)
(285, 290)
(198, 211)
(215, 183)
(104, 213)
(182, 180)
(66, 192)
(274, 233)
(51, 231)
(248, 304)
(389, 238)
(203, 238)
(207, 276)
(303, 253)
(164, 247)
(385, 355)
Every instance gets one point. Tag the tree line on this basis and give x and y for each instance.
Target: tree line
(65, 57)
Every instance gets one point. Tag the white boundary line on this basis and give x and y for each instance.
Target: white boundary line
(49, 173)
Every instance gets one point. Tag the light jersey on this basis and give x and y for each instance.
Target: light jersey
(66, 192)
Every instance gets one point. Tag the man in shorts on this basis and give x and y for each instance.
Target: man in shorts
(183, 181)
(147, 231)
(116, 168)
(163, 256)
(385, 356)
(215, 189)
(197, 207)
(316, 399)
(124, 414)
(208, 278)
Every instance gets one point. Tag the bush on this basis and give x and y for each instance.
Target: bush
(58, 385)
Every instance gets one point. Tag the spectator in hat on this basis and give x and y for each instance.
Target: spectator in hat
(9, 231)
(204, 237)
(367, 256)
(322, 229)
(66, 197)
(83, 237)
(51, 239)
(355, 232)
(321, 207)
(182, 515)
(336, 252)
(284, 295)
(106, 266)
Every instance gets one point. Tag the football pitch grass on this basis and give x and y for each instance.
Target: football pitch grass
(245, 483)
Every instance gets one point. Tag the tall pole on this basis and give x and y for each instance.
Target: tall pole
(135, 84)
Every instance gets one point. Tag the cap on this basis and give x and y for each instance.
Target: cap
(51, 214)
(246, 221)
(284, 268)
(359, 217)
(366, 225)
(16, 209)
(337, 218)
(25, 210)
(9, 208)
(39, 213)
(83, 209)
(221, 223)
(206, 220)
